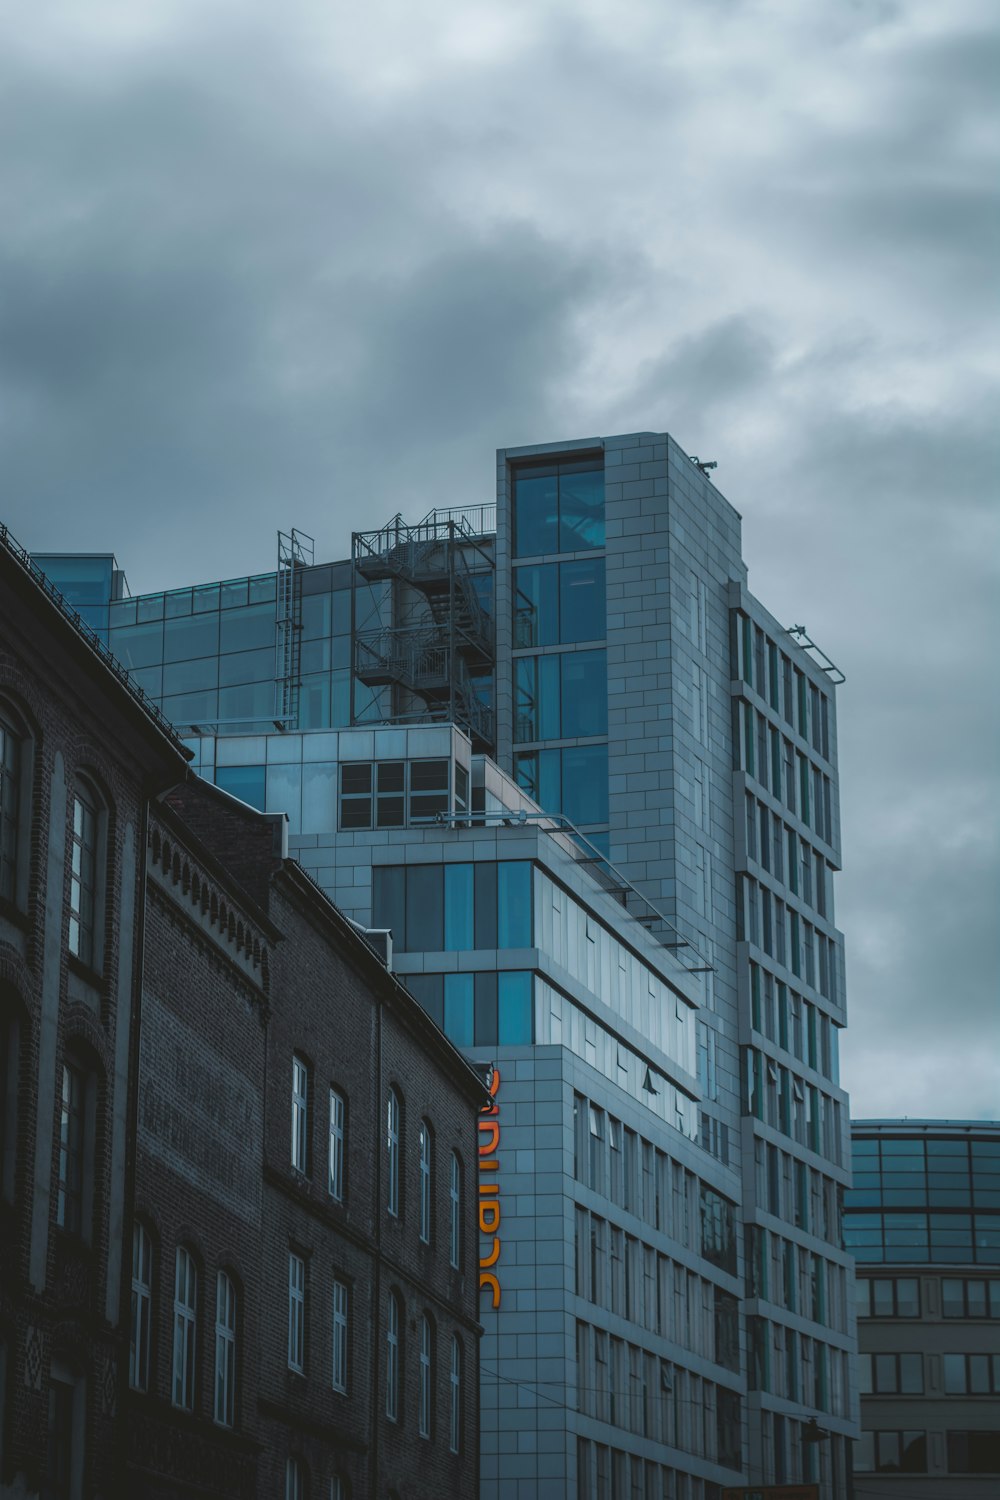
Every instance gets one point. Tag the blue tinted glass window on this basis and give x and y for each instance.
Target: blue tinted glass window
(149, 607)
(340, 612)
(537, 701)
(425, 908)
(584, 694)
(149, 679)
(514, 992)
(458, 909)
(987, 1246)
(486, 905)
(247, 629)
(581, 508)
(314, 701)
(536, 512)
(177, 603)
(191, 676)
(585, 784)
(389, 902)
(139, 645)
(195, 635)
(428, 991)
(486, 1009)
(317, 616)
(245, 782)
(246, 666)
(581, 600)
(459, 1008)
(536, 605)
(514, 904)
(248, 701)
(190, 708)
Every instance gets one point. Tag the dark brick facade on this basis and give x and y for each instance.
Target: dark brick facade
(176, 1135)
(69, 726)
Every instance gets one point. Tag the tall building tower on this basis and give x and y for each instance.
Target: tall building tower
(590, 784)
(923, 1222)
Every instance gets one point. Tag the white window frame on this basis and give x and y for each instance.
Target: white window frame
(392, 1359)
(336, 1161)
(392, 1150)
(142, 1307)
(455, 1213)
(424, 1402)
(295, 1488)
(341, 1305)
(300, 1114)
(296, 1313)
(185, 1329)
(225, 1350)
(425, 1182)
(85, 843)
(455, 1384)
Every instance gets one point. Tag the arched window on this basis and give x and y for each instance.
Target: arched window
(426, 1384)
(185, 1328)
(225, 1350)
(393, 1128)
(85, 890)
(142, 1307)
(392, 1323)
(455, 1212)
(426, 1146)
(340, 1489)
(455, 1389)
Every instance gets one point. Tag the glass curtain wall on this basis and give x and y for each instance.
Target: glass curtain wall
(560, 667)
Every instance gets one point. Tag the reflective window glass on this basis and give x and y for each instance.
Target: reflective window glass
(536, 605)
(247, 666)
(581, 508)
(459, 1008)
(581, 600)
(196, 635)
(486, 1010)
(536, 511)
(458, 907)
(317, 615)
(191, 708)
(514, 904)
(584, 694)
(585, 783)
(247, 701)
(247, 629)
(514, 1009)
(425, 907)
(908, 1297)
(428, 991)
(139, 645)
(244, 782)
(190, 676)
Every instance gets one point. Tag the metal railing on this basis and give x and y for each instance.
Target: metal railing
(107, 657)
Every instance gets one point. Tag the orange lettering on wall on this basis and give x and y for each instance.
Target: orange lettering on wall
(489, 1208)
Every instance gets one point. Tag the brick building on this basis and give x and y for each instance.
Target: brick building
(238, 1219)
(80, 753)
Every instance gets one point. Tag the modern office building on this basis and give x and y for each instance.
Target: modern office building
(590, 783)
(923, 1222)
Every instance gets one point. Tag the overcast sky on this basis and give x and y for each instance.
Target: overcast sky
(309, 265)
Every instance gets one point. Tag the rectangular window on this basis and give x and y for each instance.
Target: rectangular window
(340, 1304)
(142, 1294)
(225, 1351)
(83, 879)
(185, 1323)
(300, 1115)
(69, 1203)
(338, 1126)
(296, 1313)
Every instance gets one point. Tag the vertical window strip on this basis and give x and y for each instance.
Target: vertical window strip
(337, 1142)
(185, 1328)
(300, 1115)
(340, 1307)
(424, 1423)
(392, 1150)
(296, 1312)
(142, 1267)
(69, 1201)
(425, 1182)
(83, 878)
(455, 1212)
(455, 1386)
(392, 1359)
(225, 1351)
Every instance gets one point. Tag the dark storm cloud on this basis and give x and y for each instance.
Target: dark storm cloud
(311, 269)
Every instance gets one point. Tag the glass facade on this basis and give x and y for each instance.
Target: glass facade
(924, 1199)
(454, 907)
(559, 508)
(88, 583)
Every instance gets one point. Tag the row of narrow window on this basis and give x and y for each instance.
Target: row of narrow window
(797, 1367)
(794, 1024)
(302, 1090)
(775, 764)
(340, 1372)
(799, 1280)
(772, 675)
(780, 851)
(777, 930)
(185, 1337)
(789, 1189)
(86, 844)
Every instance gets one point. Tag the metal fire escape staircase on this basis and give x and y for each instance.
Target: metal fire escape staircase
(296, 551)
(443, 637)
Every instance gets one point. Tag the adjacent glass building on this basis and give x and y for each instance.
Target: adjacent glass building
(923, 1222)
(555, 745)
